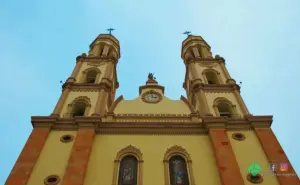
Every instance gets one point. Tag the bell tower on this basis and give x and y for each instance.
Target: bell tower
(207, 78)
(91, 88)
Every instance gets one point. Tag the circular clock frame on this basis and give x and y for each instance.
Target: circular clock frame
(151, 92)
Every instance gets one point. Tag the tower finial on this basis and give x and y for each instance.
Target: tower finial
(110, 30)
(151, 76)
(187, 33)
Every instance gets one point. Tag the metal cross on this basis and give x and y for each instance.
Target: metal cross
(187, 33)
(110, 30)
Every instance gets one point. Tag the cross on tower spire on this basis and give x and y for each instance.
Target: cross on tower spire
(110, 30)
(187, 33)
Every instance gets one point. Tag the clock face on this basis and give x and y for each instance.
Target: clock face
(151, 97)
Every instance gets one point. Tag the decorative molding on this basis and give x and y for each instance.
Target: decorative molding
(95, 63)
(151, 128)
(218, 88)
(177, 150)
(57, 123)
(210, 70)
(91, 69)
(115, 103)
(85, 99)
(153, 115)
(171, 127)
(205, 61)
(152, 118)
(188, 103)
(152, 86)
(222, 100)
(130, 150)
(86, 87)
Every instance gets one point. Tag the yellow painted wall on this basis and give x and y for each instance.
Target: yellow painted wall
(53, 158)
(210, 97)
(249, 151)
(93, 96)
(106, 147)
(80, 76)
(165, 106)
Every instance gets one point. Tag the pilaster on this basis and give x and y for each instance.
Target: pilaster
(275, 154)
(23, 167)
(226, 161)
(79, 158)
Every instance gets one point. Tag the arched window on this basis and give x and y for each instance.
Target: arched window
(211, 77)
(128, 171)
(80, 106)
(225, 108)
(128, 167)
(178, 171)
(78, 109)
(178, 167)
(91, 76)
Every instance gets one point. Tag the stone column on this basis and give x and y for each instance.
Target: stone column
(194, 72)
(205, 52)
(101, 103)
(61, 101)
(79, 157)
(226, 161)
(199, 93)
(23, 167)
(72, 78)
(95, 51)
(105, 90)
(196, 52)
(109, 70)
(105, 51)
(275, 154)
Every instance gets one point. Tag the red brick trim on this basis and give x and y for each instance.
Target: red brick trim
(23, 167)
(275, 154)
(78, 161)
(227, 165)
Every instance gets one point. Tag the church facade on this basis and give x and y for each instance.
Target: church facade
(206, 138)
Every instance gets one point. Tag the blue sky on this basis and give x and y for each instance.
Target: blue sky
(41, 39)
